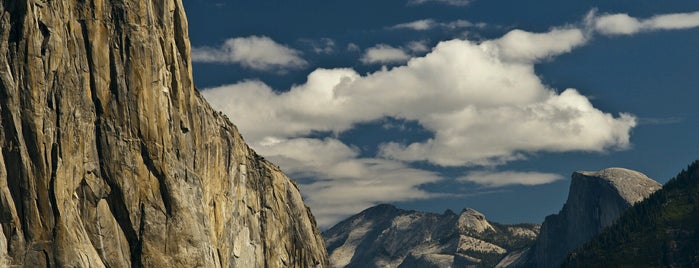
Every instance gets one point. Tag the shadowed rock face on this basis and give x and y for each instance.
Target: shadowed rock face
(595, 201)
(111, 158)
(660, 231)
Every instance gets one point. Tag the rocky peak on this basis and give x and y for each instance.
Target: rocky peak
(595, 201)
(111, 158)
(385, 236)
(632, 186)
(381, 209)
(472, 220)
(660, 231)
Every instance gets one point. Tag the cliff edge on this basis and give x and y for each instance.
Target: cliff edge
(595, 200)
(111, 158)
(660, 231)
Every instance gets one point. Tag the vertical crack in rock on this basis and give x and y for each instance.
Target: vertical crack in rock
(111, 158)
(162, 186)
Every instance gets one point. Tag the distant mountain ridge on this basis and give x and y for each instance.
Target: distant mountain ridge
(661, 231)
(385, 236)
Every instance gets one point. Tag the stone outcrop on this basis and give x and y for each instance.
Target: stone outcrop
(660, 231)
(111, 158)
(427, 261)
(472, 220)
(385, 236)
(595, 200)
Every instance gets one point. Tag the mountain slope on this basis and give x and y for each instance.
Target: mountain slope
(385, 236)
(595, 201)
(661, 231)
(111, 158)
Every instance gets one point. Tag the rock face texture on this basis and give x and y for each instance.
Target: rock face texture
(595, 200)
(385, 236)
(111, 158)
(660, 231)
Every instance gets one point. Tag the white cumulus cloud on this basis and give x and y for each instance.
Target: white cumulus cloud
(499, 179)
(482, 102)
(254, 52)
(518, 45)
(484, 107)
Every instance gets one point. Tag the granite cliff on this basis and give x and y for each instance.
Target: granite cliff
(111, 158)
(595, 201)
(385, 236)
(660, 231)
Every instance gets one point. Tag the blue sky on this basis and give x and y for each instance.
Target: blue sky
(446, 104)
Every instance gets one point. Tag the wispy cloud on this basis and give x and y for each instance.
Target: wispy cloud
(659, 120)
(352, 47)
(344, 183)
(254, 52)
(504, 178)
(320, 46)
(418, 25)
(418, 46)
(462, 24)
(446, 2)
(429, 24)
(384, 54)
(623, 24)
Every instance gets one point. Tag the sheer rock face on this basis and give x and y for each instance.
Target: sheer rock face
(595, 201)
(110, 157)
(660, 231)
